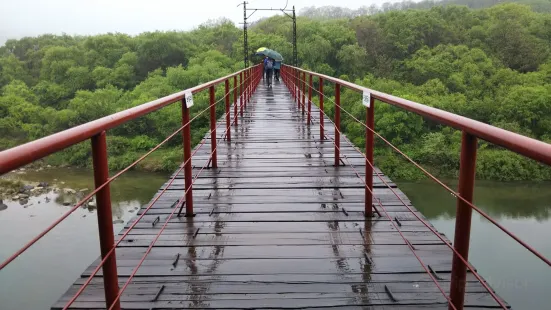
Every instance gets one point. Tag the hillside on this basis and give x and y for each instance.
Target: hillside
(491, 64)
(325, 12)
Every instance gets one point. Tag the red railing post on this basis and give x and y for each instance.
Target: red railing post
(297, 86)
(250, 81)
(186, 140)
(235, 88)
(294, 83)
(369, 145)
(291, 83)
(228, 116)
(299, 89)
(249, 84)
(467, 172)
(337, 124)
(321, 95)
(309, 99)
(214, 162)
(241, 93)
(105, 220)
(303, 84)
(284, 77)
(246, 86)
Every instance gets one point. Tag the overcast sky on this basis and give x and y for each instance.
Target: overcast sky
(20, 18)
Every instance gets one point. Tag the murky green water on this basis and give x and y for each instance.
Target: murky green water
(523, 208)
(53, 264)
(37, 278)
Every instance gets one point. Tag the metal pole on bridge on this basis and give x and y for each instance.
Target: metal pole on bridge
(322, 134)
(337, 124)
(186, 139)
(303, 85)
(214, 162)
(297, 87)
(228, 116)
(244, 91)
(467, 172)
(247, 86)
(291, 82)
(369, 145)
(235, 88)
(241, 93)
(105, 220)
(309, 99)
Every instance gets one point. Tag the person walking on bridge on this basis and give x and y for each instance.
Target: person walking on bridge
(265, 75)
(277, 67)
(269, 67)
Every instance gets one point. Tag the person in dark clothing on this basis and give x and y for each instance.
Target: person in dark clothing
(277, 67)
(265, 75)
(269, 68)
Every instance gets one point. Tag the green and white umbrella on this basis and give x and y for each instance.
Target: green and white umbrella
(271, 53)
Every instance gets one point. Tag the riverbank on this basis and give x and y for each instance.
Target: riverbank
(69, 185)
(14, 187)
(73, 242)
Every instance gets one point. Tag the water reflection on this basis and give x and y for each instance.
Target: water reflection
(60, 257)
(523, 208)
(511, 200)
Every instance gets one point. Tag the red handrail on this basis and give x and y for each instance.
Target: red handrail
(471, 129)
(27, 153)
(95, 130)
(520, 144)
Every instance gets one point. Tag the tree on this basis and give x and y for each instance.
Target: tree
(11, 69)
(92, 105)
(160, 50)
(352, 59)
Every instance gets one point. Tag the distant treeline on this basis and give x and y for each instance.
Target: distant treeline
(340, 12)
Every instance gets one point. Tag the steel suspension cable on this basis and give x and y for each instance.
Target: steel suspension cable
(87, 197)
(432, 177)
(102, 262)
(409, 245)
(121, 291)
(435, 179)
(467, 264)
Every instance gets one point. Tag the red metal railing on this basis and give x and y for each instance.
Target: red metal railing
(295, 79)
(96, 131)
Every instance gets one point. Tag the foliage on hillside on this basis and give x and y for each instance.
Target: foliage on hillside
(491, 65)
(331, 12)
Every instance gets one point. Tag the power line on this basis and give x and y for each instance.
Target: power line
(284, 10)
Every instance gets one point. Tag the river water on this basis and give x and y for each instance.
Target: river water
(38, 277)
(525, 209)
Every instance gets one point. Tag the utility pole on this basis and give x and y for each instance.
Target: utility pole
(295, 52)
(245, 35)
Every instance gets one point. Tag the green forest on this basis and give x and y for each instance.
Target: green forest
(490, 64)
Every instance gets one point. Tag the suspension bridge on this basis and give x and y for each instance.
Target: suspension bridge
(276, 209)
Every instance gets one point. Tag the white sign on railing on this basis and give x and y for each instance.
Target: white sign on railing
(189, 99)
(366, 99)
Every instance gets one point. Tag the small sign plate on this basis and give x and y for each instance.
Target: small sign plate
(366, 99)
(189, 99)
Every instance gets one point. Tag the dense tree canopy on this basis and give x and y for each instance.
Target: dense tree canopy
(489, 64)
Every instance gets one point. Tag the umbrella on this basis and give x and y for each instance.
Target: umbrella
(258, 51)
(272, 54)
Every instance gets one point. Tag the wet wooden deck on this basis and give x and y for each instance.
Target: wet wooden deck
(278, 226)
